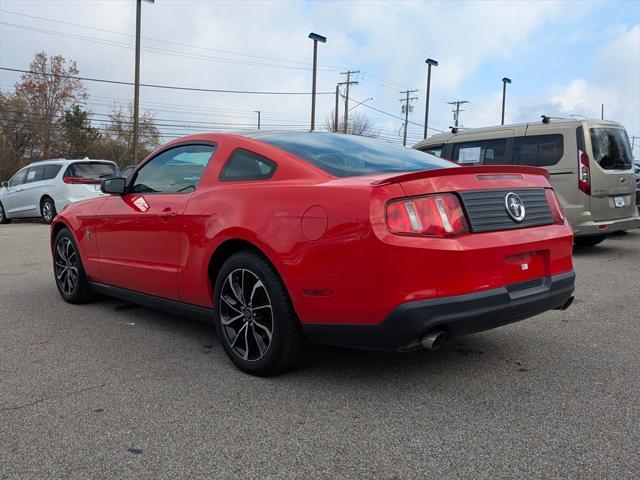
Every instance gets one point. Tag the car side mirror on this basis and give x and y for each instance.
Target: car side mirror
(114, 185)
(5, 184)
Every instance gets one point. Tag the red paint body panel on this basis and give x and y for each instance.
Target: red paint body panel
(361, 270)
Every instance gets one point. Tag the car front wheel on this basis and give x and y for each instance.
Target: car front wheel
(3, 216)
(71, 280)
(255, 320)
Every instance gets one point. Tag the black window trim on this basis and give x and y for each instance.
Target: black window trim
(134, 175)
(247, 178)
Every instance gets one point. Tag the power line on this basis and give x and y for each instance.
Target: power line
(167, 87)
(180, 44)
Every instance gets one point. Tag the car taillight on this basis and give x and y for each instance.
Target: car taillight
(556, 209)
(435, 215)
(80, 180)
(584, 173)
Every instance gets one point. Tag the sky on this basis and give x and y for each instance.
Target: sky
(564, 58)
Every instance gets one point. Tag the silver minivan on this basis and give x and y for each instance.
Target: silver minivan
(589, 162)
(41, 189)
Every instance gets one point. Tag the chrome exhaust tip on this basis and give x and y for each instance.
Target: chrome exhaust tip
(434, 339)
(566, 304)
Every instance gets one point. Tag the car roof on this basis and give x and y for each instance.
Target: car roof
(65, 161)
(446, 136)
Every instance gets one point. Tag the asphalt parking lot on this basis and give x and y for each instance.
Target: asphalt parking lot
(111, 390)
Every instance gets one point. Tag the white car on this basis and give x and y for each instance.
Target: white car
(41, 189)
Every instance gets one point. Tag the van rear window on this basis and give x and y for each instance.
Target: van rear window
(91, 170)
(611, 148)
(538, 150)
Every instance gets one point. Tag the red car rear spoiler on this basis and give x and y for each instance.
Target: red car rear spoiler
(479, 170)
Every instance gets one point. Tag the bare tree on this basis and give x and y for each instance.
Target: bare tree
(49, 90)
(359, 124)
(119, 142)
(17, 133)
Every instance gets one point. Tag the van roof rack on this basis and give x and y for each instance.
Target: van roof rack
(548, 118)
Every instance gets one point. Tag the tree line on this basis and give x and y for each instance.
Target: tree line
(44, 117)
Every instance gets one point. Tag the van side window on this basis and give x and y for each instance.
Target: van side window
(538, 150)
(51, 171)
(34, 174)
(435, 150)
(488, 152)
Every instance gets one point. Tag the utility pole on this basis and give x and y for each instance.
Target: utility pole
(431, 63)
(406, 107)
(335, 113)
(456, 112)
(258, 112)
(316, 38)
(602, 112)
(136, 88)
(348, 83)
(505, 80)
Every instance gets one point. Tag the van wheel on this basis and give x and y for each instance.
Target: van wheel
(3, 216)
(255, 320)
(591, 241)
(47, 210)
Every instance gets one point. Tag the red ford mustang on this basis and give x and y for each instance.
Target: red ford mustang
(281, 238)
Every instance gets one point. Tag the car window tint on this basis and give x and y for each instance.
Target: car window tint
(177, 170)
(350, 155)
(91, 170)
(611, 148)
(494, 152)
(34, 174)
(50, 171)
(435, 150)
(18, 178)
(469, 153)
(246, 165)
(489, 152)
(538, 150)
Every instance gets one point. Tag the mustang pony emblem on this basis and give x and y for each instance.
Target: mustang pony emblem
(515, 207)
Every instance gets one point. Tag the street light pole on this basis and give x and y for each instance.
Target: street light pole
(505, 80)
(258, 112)
(431, 63)
(136, 88)
(316, 38)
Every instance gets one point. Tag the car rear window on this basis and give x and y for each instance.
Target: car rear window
(350, 155)
(611, 148)
(94, 170)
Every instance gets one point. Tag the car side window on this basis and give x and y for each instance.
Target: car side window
(34, 174)
(18, 178)
(51, 171)
(245, 165)
(435, 150)
(538, 150)
(485, 152)
(177, 170)
(469, 153)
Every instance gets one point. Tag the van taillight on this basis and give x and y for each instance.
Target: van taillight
(438, 215)
(584, 173)
(554, 205)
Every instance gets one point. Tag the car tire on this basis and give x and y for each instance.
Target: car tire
(69, 274)
(254, 317)
(590, 241)
(3, 216)
(47, 210)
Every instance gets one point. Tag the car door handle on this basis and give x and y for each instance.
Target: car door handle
(168, 214)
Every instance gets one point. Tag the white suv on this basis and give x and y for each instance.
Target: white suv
(41, 189)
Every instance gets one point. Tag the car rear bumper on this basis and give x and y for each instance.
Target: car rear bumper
(458, 315)
(607, 226)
